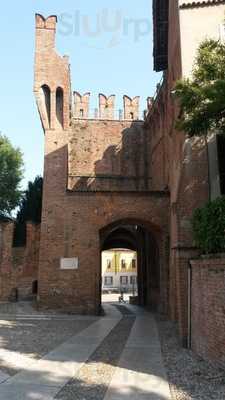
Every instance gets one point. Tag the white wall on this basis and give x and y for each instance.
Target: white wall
(197, 24)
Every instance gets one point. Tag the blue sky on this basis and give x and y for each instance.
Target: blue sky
(112, 56)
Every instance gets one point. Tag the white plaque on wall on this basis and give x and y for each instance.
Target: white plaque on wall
(69, 263)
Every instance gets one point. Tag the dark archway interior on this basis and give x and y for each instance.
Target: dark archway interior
(138, 238)
(121, 237)
(59, 106)
(47, 102)
(35, 287)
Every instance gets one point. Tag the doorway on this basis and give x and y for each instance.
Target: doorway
(130, 262)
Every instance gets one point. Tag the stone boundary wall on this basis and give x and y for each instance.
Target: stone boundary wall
(18, 265)
(208, 309)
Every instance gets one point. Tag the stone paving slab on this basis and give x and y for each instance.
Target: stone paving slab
(28, 310)
(47, 317)
(3, 377)
(93, 379)
(145, 334)
(45, 377)
(110, 310)
(19, 391)
(140, 374)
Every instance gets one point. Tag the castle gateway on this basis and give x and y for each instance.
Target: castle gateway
(97, 190)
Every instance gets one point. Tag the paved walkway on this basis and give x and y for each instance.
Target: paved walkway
(138, 371)
(140, 374)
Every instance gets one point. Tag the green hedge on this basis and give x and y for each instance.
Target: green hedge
(209, 226)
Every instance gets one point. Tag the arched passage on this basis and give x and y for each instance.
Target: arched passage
(145, 240)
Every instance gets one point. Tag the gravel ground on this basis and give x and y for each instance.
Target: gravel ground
(95, 376)
(21, 308)
(190, 377)
(32, 339)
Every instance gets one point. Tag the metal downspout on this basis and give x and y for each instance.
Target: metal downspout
(189, 304)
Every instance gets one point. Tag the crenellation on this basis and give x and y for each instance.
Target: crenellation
(46, 23)
(50, 22)
(45, 32)
(131, 108)
(106, 107)
(40, 21)
(81, 105)
(150, 101)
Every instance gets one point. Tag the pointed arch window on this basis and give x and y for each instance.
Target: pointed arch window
(46, 103)
(59, 106)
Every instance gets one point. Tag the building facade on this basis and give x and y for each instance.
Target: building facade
(119, 270)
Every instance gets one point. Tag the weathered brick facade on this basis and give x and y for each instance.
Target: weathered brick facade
(108, 157)
(176, 162)
(208, 309)
(18, 265)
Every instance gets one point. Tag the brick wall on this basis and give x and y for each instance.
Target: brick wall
(71, 226)
(112, 156)
(208, 309)
(181, 164)
(19, 265)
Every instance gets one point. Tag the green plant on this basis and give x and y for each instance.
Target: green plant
(11, 174)
(29, 210)
(209, 226)
(202, 97)
(31, 204)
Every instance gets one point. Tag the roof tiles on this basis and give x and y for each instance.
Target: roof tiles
(190, 3)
